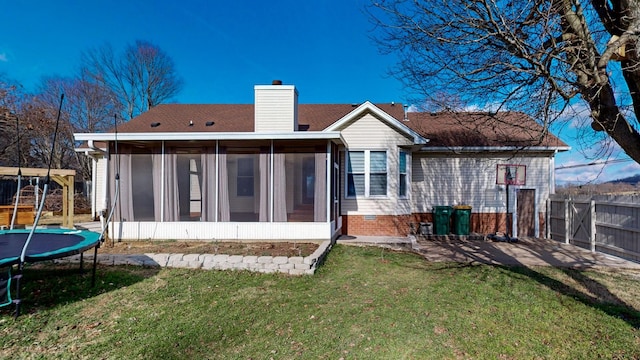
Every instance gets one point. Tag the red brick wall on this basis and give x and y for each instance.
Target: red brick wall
(378, 225)
(400, 225)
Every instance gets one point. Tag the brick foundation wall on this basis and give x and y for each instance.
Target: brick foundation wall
(376, 225)
(401, 225)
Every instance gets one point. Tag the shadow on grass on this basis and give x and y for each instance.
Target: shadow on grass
(596, 294)
(46, 285)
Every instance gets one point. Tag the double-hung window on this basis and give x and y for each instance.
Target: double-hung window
(402, 171)
(366, 173)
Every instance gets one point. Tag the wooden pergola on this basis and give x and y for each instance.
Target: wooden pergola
(64, 177)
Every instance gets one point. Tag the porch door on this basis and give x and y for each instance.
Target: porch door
(308, 180)
(526, 212)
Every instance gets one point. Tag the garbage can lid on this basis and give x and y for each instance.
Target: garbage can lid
(462, 207)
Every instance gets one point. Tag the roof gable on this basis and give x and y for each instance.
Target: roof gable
(368, 107)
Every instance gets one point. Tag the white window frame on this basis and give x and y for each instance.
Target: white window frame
(367, 174)
(406, 173)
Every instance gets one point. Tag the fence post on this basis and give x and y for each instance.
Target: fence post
(567, 221)
(548, 220)
(592, 233)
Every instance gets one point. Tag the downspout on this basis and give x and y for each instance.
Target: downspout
(552, 173)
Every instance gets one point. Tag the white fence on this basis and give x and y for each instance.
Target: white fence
(605, 223)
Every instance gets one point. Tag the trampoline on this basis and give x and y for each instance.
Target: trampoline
(46, 244)
(18, 247)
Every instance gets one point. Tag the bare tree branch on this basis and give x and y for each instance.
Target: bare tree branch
(140, 78)
(534, 56)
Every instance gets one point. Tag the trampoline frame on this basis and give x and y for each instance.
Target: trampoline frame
(89, 240)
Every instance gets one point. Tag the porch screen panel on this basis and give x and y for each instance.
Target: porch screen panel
(165, 179)
(263, 198)
(142, 186)
(120, 164)
(189, 174)
(320, 189)
(302, 191)
(244, 180)
(208, 184)
(224, 212)
(279, 187)
(171, 206)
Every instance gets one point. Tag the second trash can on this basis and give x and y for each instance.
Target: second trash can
(441, 217)
(461, 219)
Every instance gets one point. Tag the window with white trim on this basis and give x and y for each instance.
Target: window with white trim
(402, 173)
(366, 173)
(245, 178)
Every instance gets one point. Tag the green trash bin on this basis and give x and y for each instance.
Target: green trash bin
(442, 218)
(461, 219)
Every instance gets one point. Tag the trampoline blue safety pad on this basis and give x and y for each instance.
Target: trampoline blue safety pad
(46, 244)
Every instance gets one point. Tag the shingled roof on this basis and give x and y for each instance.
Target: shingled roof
(481, 129)
(446, 129)
(236, 117)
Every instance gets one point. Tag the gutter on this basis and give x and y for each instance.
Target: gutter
(461, 149)
(173, 136)
(92, 146)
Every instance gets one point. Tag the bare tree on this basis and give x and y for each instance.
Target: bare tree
(535, 56)
(14, 142)
(41, 117)
(140, 78)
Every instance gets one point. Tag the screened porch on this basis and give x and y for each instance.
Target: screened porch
(208, 189)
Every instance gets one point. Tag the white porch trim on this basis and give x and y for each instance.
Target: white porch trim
(204, 231)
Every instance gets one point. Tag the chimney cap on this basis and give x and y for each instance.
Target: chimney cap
(276, 82)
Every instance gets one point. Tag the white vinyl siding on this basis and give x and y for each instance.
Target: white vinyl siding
(101, 176)
(370, 133)
(276, 108)
(446, 180)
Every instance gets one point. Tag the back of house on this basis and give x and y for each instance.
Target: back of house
(280, 170)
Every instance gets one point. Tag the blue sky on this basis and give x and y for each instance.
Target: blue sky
(223, 48)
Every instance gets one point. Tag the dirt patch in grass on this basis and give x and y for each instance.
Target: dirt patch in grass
(276, 248)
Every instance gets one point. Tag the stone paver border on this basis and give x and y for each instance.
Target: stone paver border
(296, 265)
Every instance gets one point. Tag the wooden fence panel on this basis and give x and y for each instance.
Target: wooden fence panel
(556, 220)
(608, 224)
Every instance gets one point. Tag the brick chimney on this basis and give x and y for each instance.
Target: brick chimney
(276, 107)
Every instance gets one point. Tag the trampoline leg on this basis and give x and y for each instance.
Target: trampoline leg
(17, 301)
(81, 263)
(93, 272)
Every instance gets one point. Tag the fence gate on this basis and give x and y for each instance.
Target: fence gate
(609, 224)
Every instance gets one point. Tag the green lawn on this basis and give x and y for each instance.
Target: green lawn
(363, 303)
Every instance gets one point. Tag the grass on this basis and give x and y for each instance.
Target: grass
(359, 305)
